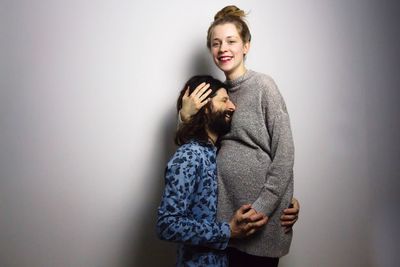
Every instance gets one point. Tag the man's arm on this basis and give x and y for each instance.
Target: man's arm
(174, 221)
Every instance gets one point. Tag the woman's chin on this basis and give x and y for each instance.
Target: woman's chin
(225, 68)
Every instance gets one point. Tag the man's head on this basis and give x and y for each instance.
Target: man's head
(214, 117)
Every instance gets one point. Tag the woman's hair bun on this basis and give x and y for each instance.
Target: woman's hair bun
(230, 15)
(231, 11)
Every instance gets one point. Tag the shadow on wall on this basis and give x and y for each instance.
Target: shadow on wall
(201, 64)
(143, 247)
(146, 249)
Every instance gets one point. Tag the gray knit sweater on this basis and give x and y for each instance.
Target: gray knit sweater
(255, 162)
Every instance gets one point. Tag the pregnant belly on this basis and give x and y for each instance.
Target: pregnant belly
(241, 171)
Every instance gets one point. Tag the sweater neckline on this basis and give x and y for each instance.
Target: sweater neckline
(235, 83)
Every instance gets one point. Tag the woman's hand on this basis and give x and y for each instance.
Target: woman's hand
(191, 104)
(290, 215)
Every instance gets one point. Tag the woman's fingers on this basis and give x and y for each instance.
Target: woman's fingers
(186, 94)
(200, 89)
(192, 103)
(205, 95)
(201, 93)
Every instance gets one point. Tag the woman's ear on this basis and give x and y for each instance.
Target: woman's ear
(246, 48)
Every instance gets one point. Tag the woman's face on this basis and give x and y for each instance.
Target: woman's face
(228, 50)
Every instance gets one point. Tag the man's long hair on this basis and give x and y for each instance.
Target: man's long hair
(195, 128)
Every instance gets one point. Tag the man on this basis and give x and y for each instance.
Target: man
(187, 213)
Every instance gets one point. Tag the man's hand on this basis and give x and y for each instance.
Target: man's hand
(246, 221)
(290, 215)
(191, 104)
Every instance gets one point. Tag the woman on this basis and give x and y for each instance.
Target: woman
(255, 159)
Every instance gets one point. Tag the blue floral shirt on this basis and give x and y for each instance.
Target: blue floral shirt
(187, 213)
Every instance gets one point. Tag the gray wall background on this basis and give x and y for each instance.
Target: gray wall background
(87, 115)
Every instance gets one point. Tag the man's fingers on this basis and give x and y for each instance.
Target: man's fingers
(260, 223)
(244, 208)
(288, 217)
(294, 209)
(248, 214)
(296, 204)
(239, 213)
(288, 223)
(252, 231)
(252, 227)
(287, 229)
(256, 217)
(291, 211)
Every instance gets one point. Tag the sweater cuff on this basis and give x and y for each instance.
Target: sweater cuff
(266, 204)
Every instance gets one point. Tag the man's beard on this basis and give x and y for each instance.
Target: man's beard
(219, 123)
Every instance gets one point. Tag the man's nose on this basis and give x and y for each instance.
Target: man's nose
(231, 106)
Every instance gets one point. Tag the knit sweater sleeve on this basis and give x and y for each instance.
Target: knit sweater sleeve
(280, 171)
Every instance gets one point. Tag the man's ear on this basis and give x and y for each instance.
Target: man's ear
(207, 107)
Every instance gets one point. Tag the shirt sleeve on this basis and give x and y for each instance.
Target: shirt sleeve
(175, 222)
(280, 171)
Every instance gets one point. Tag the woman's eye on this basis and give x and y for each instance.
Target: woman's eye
(215, 44)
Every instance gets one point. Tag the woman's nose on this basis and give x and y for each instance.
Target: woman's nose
(222, 47)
